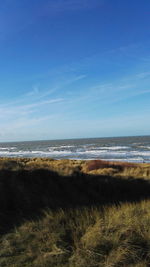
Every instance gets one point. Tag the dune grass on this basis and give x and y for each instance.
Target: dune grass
(116, 236)
(69, 167)
(74, 213)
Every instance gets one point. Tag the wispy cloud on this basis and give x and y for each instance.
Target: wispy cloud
(38, 104)
(116, 91)
(11, 111)
(32, 108)
(34, 91)
(59, 85)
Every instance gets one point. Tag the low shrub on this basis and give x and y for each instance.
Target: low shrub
(100, 164)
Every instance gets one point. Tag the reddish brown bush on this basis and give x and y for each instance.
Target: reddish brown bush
(100, 164)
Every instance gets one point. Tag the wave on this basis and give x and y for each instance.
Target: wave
(112, 153)
(37, 153)
(80, 152)
(142, 153)
(116, 147)
(107, 147)
(14, 153)
(7, 148)
(100, 152)
(60, 147)
(51, 152)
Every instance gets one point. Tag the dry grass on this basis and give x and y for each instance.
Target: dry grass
(82, 237)
(124, 169)
(84, 228)
(69, 167)
(63, 167)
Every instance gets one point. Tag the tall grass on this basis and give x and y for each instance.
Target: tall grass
(116, 236)
(74, 213)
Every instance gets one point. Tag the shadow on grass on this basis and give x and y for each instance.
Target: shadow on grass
(23, 194)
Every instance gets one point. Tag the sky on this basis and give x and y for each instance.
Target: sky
(74, 69)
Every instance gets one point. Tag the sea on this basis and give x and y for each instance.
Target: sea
(129, 149)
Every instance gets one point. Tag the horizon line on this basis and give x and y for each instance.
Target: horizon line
(76, 138)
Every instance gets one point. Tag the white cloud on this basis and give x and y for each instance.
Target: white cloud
(29, 106)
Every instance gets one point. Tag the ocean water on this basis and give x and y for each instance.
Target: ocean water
(131, 149)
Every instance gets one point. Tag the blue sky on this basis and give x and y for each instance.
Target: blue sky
(74, 68)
